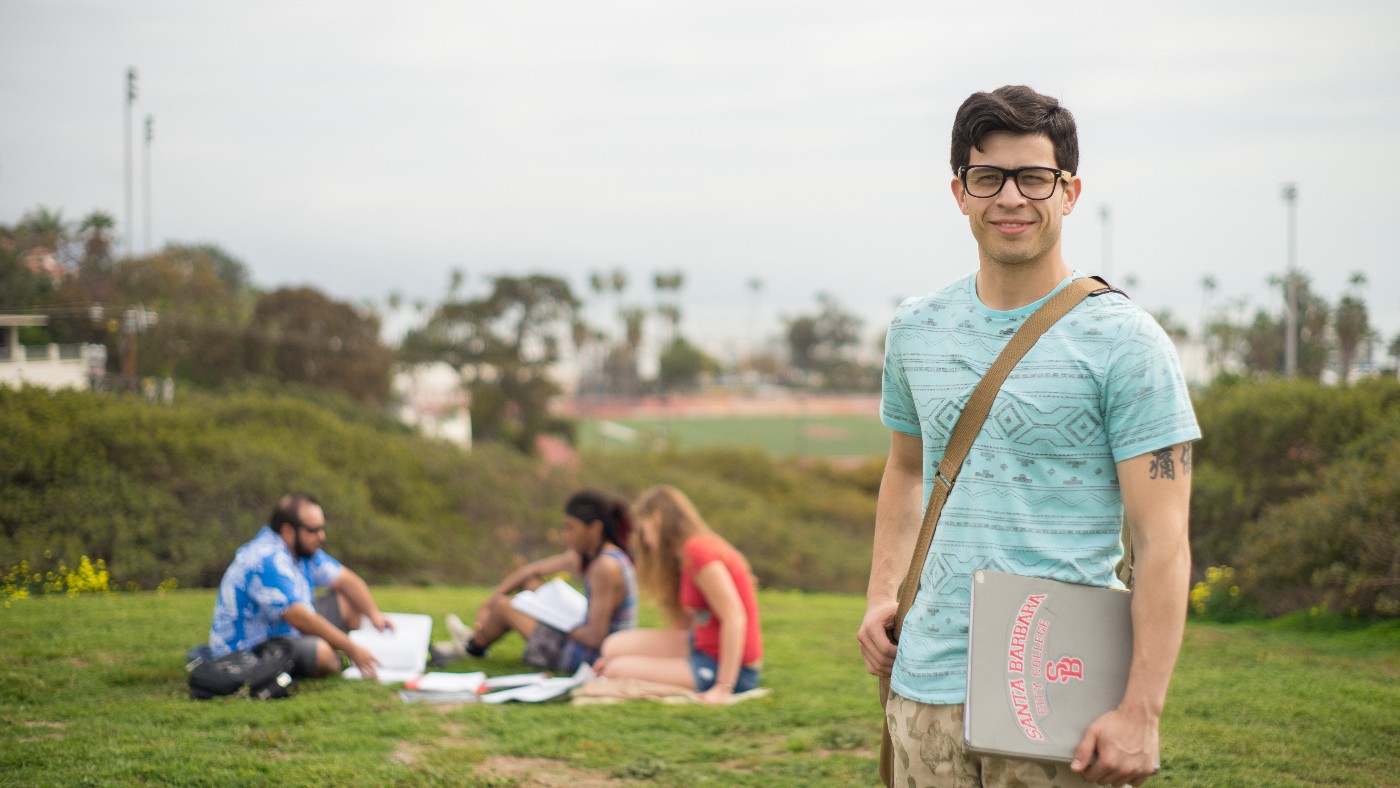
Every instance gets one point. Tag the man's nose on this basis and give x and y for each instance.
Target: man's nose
(1010, 193)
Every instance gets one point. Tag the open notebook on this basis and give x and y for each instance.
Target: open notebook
(556, 604)
(402, 652)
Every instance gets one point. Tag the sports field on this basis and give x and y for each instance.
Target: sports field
(786, 424)
(796, 435)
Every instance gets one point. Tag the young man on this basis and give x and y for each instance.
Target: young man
(1093, 427)
(267, 592)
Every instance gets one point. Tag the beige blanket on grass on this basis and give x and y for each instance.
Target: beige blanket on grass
(619, 690)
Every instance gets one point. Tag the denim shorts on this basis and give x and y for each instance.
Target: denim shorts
(704, 667)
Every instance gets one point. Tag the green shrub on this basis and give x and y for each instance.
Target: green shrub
(1339, 547)
(164, 495)
(1264, 444)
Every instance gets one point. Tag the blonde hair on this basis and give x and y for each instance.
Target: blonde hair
(659, 567)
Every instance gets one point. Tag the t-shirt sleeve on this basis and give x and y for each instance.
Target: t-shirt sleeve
(1147, 405)
(323, 569)
(897, 410)
(699, 552)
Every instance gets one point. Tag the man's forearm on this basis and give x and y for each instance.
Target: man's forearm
(308, 622)
(357, 591)
(897, 519)
(1161, 585)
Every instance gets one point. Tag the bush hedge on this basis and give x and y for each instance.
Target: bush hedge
(164, 494)
(1297, 487)
(1296, 490)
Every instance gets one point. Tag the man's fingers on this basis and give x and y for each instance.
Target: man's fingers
(877, 650)
(1084, 753)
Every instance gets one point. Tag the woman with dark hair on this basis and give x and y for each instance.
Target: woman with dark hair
(705, 588)
(595, 530)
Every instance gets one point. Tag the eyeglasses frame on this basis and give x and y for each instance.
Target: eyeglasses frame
(1013, 176)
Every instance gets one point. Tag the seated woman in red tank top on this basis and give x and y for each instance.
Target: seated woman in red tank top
(704, 587)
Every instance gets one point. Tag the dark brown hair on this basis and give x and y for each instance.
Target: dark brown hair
(588, 506)
(1015, 109)
(288, 510)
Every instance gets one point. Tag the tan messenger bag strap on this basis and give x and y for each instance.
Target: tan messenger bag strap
(965, 431)
(974, 414)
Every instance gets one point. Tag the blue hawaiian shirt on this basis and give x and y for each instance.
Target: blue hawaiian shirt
(264, 580)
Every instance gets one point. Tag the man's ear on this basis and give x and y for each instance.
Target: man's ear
(1072, 189)
(960, 194)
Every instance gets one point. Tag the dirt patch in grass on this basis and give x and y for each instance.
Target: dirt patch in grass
(540, 772)
(409, 753)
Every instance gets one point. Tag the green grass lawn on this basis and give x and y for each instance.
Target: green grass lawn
(92, 691)
(779, 436)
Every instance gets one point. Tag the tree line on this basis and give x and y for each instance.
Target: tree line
(191, 313)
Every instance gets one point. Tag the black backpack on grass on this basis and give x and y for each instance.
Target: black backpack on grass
(266, 671)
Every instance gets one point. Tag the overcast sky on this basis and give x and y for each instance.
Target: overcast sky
(370, 147)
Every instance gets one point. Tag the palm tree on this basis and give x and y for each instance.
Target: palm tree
(617, 282)
(669, 309)
(1353, 325)
(1208, 286)
(96, 231)
(43, 227)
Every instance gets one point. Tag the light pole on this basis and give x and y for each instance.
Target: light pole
(129, 230)
(1290, 285)
(1106, 243)
(146, 179)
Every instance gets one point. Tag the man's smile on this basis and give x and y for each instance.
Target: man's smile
(1010, 226)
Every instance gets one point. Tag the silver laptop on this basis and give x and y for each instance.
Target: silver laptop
(1045, 659)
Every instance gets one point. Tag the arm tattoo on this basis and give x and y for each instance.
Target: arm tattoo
(1163, 466)
(1186, 459)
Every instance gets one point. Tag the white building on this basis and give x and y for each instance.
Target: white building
(51, 366)
(433, 400)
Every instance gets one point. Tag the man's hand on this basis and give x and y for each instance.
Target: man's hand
(381, 622)
(874, 637)
(1118, 748)
(363, 660)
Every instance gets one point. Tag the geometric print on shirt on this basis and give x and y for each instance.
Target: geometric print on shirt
(1038, 493)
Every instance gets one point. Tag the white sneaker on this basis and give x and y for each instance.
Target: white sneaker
(444, 652)
(461, 633)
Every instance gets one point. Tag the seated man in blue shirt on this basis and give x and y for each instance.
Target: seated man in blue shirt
(268, 592)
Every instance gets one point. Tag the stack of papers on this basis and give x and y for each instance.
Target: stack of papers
(447, 682)
(476, 687)
(542, 689)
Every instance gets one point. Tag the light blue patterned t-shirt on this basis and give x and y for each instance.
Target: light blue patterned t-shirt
(1038, 493)
(264, 580)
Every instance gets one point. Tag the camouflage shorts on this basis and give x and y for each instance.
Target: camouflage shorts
(929, 751)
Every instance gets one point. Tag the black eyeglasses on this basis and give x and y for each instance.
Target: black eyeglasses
(316, 529)
(1034, 183)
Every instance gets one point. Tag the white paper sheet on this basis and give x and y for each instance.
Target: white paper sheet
(402, 652)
